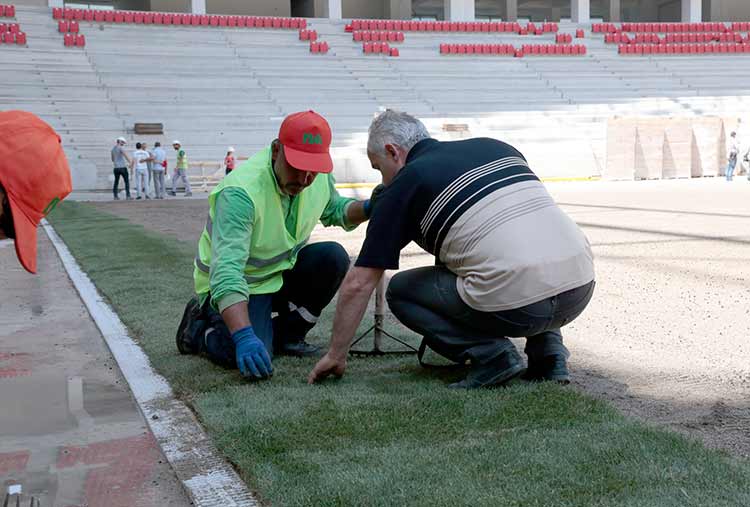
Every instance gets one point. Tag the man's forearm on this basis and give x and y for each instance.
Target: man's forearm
(236, 316)
(355, 213)
(352, 302)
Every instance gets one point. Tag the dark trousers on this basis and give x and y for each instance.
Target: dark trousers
(426, 301)
(121, 172)
(308, 288)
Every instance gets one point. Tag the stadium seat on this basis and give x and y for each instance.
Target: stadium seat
(357, 36)
(80, 40)
(21, 38)
(67, 13)
(128, 17)
(57, 13)
(394, 52)
(77, 14)
(72, 27)
(223, 21)
(315, 47)
(367, 47)
(119, 17)
(138, 18)
(88, 15)
(62, 27)
(68, 39)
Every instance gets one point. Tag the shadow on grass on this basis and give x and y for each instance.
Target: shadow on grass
(390, 433)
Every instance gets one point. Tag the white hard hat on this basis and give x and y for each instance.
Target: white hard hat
(121, 140)
(176, 142)
(230, 149)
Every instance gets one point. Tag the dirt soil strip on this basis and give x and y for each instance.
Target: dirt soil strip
(665, 338)
(207, 478)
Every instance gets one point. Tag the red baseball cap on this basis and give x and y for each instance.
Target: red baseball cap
(306, 137)
(35, 175)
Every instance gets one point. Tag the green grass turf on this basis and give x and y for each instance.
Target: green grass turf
(390, 433)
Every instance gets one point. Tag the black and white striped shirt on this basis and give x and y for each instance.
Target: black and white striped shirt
(478, 207)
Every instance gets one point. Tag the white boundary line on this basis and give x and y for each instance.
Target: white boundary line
(207, 478)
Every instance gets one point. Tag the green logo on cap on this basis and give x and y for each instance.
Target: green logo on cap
(51, 205)
(311, 139)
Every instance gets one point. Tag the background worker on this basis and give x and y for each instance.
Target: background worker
(159, 167)
(229, 160)
(180, 171)
(509, 262)
(121, 161)
(254, 257)
(34, 177)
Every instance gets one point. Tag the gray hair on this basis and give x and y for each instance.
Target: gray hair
(395, 127)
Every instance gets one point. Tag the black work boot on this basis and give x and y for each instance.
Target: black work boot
(496, 372)
(190, 330)
(298, 349)
(549, 368)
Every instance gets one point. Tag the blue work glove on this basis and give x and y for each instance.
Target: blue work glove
(252, 356)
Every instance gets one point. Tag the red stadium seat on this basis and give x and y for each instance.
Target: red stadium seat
(275, 23)
(224, 21)
(67, 13)
(77, 14)
(73, 27)
(158, 18)
(57, 13)
(138, 18)
(80, 40)
(394, 52)
(232, 21)
(357, 36)
(304, 35)
(119, 17)
(367, 47)
(128, 17)
(444, 49)
(69, 39)
(8, 38)
(315, 47)
(88, 15)
(213, 20)
(62, 27)
(21, 38)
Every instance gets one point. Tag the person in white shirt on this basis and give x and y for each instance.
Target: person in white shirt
(732, 155)
(140, 157)
(158, 168)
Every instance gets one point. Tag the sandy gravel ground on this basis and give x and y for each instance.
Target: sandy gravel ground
(666, 335)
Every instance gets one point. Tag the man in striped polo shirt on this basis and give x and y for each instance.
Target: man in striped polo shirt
(509, 262)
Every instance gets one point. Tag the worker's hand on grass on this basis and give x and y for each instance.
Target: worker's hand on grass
(327, 366)
(252, 357)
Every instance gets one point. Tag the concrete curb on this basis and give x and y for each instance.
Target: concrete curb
(207, 478)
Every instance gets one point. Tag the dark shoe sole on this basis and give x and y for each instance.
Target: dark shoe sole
(555, 370)
(312, 351)
(184, 344)
(502, 378)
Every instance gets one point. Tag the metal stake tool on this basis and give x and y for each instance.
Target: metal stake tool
(377, 329)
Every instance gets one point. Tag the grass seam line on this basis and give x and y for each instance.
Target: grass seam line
(207, 478)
